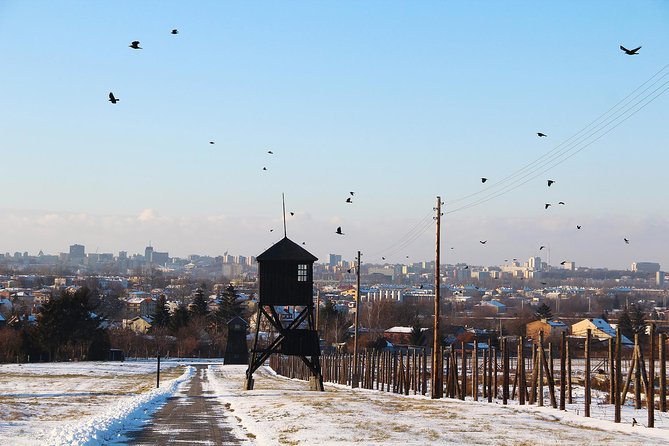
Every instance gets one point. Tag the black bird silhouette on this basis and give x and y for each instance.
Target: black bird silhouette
(561, 202)
(467, 267)
(264, 168)
(175, 31)
(349, 271)
(292, 213)
(550, 182)
(633, 52)
(211, 142)
(483, 180)
(540, 135)
(541, 247)
(563, 262)
(634, 422)
(482, 242)
(348, 200)
(407, 257)
(352, 193)
(135, 45)
(304, 243)
(383, 258)
(112, 98)
(546, 205)
(626, 241)
(578, 226)
(543, 283)
(420, 287)
(338, 231)
(271, 230)
(270, 152)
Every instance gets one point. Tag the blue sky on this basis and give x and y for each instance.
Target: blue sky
(398, 101)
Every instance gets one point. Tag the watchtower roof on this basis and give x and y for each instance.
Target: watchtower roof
(286, 249)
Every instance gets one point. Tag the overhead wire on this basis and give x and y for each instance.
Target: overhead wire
(585, 137)
(569, 141)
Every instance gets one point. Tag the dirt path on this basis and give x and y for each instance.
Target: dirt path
(192, 416)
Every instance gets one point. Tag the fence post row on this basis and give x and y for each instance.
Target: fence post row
(401, 372)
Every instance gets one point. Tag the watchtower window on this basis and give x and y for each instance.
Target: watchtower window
(302, 273)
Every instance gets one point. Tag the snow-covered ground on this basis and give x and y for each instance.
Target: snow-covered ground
(282, 411)
(71, 403)
(98, 403)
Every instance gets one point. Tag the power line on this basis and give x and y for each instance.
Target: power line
(568, 144)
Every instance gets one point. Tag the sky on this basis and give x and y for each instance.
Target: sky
(397, 101)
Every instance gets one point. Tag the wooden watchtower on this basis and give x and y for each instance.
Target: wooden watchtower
(285, 276)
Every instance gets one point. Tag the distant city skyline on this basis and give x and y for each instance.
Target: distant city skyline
(399, 102)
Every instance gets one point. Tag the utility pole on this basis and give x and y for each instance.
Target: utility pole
(437, 387)
(354, 381)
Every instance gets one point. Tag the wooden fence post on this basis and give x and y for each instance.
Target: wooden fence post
(650, 389)
(463, 393)
(535, 374)
(619, 376)
(637, 373)
(522, 385)
(612, 373)
(495, 384)
(588, 395)
(540, 358)
(505, 372)
(569, 387)
(663, 372)
(563, 369)
(490, 353)
(475, 371)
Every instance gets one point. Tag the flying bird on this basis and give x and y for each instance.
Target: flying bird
(112, 98)
(175, 31)
(634, 422)
(383, 258)
(466, 266)
(348, 270)
(633, 52)
(271, 230)
(550, 182)
(541, 135)
(212, 142)
(578, 226)
(563, 262)
(561, 202)
(264, 168)
(626, 241)
(338, 231)
(292, 213)
(482, 242)
(270, 152)
(547, 205)
(348, 200)
(483, 180)
(304, 243)
(135, 45)
(352, 193)
(541, 247)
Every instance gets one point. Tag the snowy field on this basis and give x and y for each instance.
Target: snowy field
(59, 403)
(96, 403)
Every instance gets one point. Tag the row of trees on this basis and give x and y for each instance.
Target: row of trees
(68, 328)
